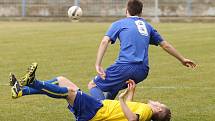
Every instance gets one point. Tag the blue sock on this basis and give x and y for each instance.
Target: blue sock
(50, 89)
(97, 93)
(29, 91)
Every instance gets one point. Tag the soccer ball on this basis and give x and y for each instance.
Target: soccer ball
(75, 12)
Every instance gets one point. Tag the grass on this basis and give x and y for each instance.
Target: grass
(69, 49)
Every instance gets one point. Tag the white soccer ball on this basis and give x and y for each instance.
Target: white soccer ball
(75, 12)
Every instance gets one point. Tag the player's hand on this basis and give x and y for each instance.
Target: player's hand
(188, 63)
(131, 85)
(91, 84)
(100, 72)
(123, 95)
(129, 91)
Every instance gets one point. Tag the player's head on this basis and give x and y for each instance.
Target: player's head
(134, 8)
(160, 111)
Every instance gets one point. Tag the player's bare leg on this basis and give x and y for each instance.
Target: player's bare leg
(64, 82)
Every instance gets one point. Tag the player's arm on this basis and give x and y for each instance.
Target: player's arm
(123, 98)
(172, 51)
(127, 112)
(100, 54)
(131, 88)
(156, 39)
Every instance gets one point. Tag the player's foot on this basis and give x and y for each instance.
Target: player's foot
(12, 79)
(16, 90)
(29, 77)
(32, 68)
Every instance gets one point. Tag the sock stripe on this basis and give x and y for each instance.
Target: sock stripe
(56, 94)
(55, 82)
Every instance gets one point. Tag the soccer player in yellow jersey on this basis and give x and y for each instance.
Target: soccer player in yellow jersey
(86, 108)
(125, 109)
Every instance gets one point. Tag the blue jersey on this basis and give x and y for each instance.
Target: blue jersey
(135, 35)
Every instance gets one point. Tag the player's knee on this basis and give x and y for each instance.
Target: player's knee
(71, 95)
(61, 78)
(71, 91)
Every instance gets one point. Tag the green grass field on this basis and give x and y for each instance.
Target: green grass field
(69, 49)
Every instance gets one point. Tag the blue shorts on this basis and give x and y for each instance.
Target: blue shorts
(85, 107)
(118, 74)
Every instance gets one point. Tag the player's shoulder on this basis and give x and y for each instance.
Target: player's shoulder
(118, 23)
(110, 103)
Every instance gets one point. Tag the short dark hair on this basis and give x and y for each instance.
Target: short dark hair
(167, 114)
(164, 115)
(135, 7)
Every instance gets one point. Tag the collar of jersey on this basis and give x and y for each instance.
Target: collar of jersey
(134, 16)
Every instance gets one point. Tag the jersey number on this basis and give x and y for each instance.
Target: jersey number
(141, 27)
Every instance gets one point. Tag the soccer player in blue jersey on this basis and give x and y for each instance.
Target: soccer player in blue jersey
(135, 35)
(85, 107)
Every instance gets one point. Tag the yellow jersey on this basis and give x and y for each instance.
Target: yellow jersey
(111, 111)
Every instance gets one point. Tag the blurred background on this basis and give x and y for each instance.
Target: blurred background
(104, 10)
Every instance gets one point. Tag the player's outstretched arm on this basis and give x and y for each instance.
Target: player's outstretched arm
(100, 54)
(172, 51)
(123, 98)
